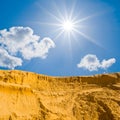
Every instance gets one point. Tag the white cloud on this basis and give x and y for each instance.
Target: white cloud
(9, 61)
(39, 49)
(89, 62)
(107, 63)
(22, 40)
(17, 38)
(92, 63)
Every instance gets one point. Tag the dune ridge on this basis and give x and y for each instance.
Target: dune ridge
(31, 96)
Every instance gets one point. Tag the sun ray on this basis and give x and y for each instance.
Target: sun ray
(70, 45)
(88, 38)
(47, 23)
(89, 17)
(59, 35)
(72, 10)
(52, 15)
(83, 19)
(58, 11)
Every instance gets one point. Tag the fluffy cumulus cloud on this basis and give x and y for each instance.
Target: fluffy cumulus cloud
(92, 63)
(107, 63)
(9, 61)
(23, 41)
(37, 49)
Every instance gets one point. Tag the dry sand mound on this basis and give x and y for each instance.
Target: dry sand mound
(30, 96)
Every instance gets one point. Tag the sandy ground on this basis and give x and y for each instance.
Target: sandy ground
(30, 96)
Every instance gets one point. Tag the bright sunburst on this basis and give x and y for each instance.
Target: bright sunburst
(68, 26)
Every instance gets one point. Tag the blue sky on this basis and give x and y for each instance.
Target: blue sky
(35, 36)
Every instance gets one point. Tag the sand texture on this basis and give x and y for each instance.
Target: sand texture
(31, 96)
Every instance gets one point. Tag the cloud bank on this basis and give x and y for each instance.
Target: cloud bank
(92, 63)
(22, 41)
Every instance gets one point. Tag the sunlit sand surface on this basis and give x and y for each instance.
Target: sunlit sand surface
(30, 96)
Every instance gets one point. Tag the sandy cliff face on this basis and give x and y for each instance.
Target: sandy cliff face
(29, 96)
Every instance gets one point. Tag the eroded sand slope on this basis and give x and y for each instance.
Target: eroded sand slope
(29, 96)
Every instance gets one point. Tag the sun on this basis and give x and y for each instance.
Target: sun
(68, 26)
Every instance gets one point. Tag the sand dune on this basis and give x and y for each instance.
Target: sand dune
(30, 96)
